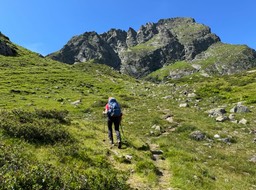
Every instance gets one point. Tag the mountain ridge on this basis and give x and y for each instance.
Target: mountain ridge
(152, 47)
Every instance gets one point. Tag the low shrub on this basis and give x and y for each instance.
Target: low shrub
(20, 170)
(37, 127)
(61, 115)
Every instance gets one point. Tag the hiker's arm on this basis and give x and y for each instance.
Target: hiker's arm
(105, 111)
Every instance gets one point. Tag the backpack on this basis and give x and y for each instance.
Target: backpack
(114, 108)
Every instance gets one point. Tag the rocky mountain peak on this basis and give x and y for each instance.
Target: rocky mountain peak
(131, 39)
(141, 52)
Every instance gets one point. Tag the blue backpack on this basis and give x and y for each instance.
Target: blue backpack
(114, 108)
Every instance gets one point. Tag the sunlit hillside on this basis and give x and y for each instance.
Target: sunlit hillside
(53, 134)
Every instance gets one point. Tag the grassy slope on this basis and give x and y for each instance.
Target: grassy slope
(219, 59)
(29, 82)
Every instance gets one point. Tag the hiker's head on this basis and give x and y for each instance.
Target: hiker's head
(111, 99)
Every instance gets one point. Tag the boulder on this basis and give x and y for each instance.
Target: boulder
(221, 118)
(215, 112)
(184, 105)
(239, 108)
(197, 135)
(243, 121)
(76, 103)
(253, 159)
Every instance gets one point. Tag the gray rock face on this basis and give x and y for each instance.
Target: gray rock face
(215, 112)
(90, 46)
(5, 47)
(195, 37)
(146, 32)
(131, 39)
(153, 46)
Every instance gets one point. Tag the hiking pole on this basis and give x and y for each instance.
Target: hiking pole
(104, 126)
(123, 137)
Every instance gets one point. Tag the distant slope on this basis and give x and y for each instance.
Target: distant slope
(139, 53)
(218, 59)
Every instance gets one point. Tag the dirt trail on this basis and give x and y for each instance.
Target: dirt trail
(163, 167)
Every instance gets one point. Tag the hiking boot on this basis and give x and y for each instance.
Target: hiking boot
(119, 145)
(111, 143)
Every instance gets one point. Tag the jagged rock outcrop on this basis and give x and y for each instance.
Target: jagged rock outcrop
(153, 46)
(85, 47)
(193, 36)
(6, 48)
(131, 38)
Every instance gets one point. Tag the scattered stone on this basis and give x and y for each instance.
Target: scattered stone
(231, 117)
(166, 116)
(167, 97)
(197, 135)
(239, 108)
(221, 118)
(234, 121)
(158, 152)
(226, 140)
(243, 121)
(156, 127)
(169, 119)
(253, 159)
(77, 102)
(253, 131)
(128, 157)
(216, 136)
(191, 95)
(216, 112)
(157, 130)
(156, 157)
(184, 105)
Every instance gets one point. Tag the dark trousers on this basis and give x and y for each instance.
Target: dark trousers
(116, 121)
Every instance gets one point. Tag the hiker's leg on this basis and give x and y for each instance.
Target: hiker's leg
(110, 134)
(117, 123)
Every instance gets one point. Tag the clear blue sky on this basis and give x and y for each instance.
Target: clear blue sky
(45, 26)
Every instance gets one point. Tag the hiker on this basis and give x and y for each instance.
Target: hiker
(114, 114)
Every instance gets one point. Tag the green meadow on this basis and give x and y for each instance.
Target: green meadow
(53, 134)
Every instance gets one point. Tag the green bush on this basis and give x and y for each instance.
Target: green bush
(20, 170)
(61, 115)
(37, 127)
